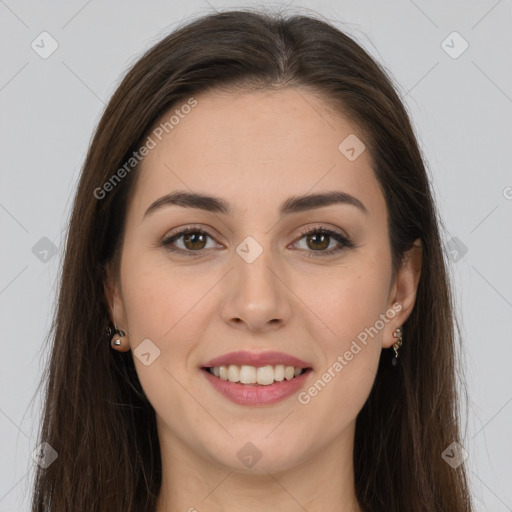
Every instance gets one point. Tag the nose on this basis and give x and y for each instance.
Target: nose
(256, 297)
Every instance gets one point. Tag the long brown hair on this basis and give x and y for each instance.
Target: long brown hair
(96, 415)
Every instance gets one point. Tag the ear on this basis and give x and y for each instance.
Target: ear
(403, 291)
(113, 297)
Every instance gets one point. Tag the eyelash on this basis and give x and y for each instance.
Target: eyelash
(345, 242)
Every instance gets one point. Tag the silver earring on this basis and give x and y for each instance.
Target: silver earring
(117, 338)
(115, 334)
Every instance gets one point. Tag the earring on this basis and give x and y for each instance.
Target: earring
(398, 343)
(117, 340)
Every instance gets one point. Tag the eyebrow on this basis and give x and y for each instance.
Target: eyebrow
(294, 204)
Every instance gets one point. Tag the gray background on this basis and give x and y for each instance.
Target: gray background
(461, 109)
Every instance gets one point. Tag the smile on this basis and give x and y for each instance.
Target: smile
(264, 387)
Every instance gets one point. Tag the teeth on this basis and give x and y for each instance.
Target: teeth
(234, 373)
(279, 372)
(263, 375)
(247, 374)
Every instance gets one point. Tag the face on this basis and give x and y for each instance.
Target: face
(252, 279)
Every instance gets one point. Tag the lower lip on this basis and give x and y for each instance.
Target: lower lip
(246, 394)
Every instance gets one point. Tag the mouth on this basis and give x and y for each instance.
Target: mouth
(256, 386)
(257, 378)
(246, 375)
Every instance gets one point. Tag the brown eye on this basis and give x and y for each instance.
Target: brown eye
(187, 241)
(319, 241)
(194, 241)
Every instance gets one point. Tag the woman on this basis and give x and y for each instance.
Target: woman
(254, 311)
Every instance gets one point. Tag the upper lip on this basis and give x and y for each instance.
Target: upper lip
(257, 359)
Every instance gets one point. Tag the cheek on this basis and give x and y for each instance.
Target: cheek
(348, 300)
(351, 307)
(163, 305)
(162, 299)
(170, 305)
(351, 348)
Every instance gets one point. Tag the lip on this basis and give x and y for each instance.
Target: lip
(247, 394)
(244, 357)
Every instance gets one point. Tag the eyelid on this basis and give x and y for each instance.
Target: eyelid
(322, 227)
(188, 228)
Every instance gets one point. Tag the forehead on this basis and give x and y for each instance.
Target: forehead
(255, 146)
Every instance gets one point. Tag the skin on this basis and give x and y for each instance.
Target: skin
(255, 150)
